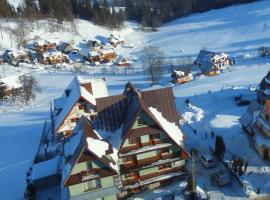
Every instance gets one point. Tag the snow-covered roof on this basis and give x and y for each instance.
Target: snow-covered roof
(97, 146)
(11, 82)
(77, 91)
(93, 53)
(251, 115)
(52, 53)
(40, 42)
(44, 42)
(267, 80)
(106, 51)
(120, 59)
(46, 168)
(169, 127)
(117, 36)
(179, 73)
(266, 92)
(219, 56)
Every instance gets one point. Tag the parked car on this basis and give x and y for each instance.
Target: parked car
(208, 161)
(221, 177)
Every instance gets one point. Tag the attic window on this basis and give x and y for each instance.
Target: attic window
(131, 140)
(67, 93)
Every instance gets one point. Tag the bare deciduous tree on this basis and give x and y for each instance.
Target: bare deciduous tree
(29, 87)
(152, 61)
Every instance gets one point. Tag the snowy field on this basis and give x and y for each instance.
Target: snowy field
(237, 30)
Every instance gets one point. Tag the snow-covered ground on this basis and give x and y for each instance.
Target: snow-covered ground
(237, 30)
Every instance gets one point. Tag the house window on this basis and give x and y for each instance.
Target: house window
(81, 107)
(267, 117)
(155, 136)
(141, 121)
(131, 140)
(165, 150)
(74, 120)
(165, 166)
(67, 93)
(91, 184)
(89, 165)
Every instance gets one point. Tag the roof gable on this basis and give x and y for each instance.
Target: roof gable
(85, 140)
(79, 89)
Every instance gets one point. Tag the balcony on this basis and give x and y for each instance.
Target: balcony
(131, 180)
(166, 155)
(90, 174)
(128, 165)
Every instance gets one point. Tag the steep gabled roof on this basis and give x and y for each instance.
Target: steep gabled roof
(123, 113)
(11, 82)
(77, 90)
(265, 83)
(85, 139)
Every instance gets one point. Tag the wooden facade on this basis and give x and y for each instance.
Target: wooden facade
(179, 77)
(53, 58)
(262, 132)
(43, 46)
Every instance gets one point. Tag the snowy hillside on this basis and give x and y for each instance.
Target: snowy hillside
(237, 30)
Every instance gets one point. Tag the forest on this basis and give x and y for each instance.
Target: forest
(149, 13)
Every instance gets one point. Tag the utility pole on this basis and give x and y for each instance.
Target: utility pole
(193, 195)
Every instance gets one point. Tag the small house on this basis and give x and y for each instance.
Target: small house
(211, 63)
(115, 39)
(94, 45)
(53, 57)
(122, 61)
(107, 55)
(10, 85)
(66, 48)
(180, 77)
(45, 45)
(16, 57)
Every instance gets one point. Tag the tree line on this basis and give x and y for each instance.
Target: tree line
(153, 13)
(65, 10)
(150, 13)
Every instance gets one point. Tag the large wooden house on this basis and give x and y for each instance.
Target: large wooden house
(79, 99)
(16, 57)
(131, 144)
(256, 121)
(66, 48)
(262, 132)
(107, 55)
(45, 45)
(100, 56)
(180, 77)
(211, 63)
(52, 57)
(140, 146)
